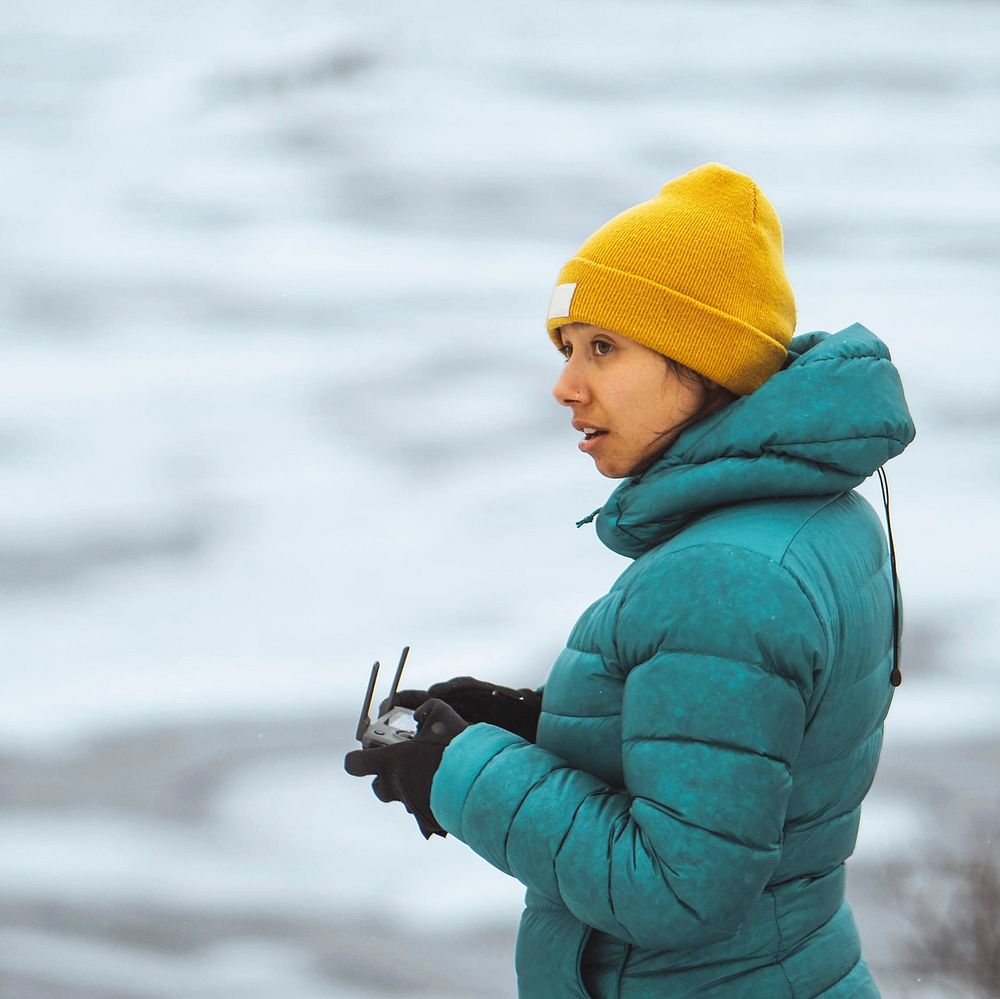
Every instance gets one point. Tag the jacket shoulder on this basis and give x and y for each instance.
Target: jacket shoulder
(765, 526)
(822, 541)
(723, 598)
(768, 579)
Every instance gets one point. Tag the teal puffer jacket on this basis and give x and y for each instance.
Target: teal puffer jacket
(710, 730)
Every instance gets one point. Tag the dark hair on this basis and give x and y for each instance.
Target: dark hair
(713, 395)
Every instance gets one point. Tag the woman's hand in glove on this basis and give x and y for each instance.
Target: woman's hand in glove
(478, 701)
(404, 771)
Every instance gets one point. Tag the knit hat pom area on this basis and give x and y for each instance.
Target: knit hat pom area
(696, 273)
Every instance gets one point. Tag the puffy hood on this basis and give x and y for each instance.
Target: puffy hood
(833, 415)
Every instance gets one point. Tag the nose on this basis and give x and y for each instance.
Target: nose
(568, 389)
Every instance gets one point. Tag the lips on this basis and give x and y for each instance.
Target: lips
(591, 435)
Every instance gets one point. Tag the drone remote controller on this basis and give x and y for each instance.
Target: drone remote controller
(396, 725)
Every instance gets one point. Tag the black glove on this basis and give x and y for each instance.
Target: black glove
(478, 701)
(404, 771)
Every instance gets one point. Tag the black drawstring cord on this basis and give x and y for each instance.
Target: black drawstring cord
(895, 677)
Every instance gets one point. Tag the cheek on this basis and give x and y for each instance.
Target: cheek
(638, 396)
(645, 401)
(655, 408)
(660, 413)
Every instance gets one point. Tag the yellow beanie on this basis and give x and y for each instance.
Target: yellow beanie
(695, 273)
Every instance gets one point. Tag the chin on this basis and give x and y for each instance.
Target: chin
(612, 471)
(624, 469)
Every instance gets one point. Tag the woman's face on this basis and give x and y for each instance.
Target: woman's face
(625, 400)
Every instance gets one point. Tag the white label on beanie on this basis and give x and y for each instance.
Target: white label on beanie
(562, 298)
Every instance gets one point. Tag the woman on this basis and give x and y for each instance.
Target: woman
(681, 797)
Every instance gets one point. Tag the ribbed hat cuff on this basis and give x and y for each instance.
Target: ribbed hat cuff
(728, 350)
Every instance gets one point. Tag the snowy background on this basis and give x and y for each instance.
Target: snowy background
(274, 402)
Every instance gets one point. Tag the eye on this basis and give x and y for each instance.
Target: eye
(566, 350)
(603, 347)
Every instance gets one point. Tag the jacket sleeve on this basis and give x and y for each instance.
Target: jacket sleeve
(719, 671)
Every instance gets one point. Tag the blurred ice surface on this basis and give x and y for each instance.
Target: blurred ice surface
(274, 401)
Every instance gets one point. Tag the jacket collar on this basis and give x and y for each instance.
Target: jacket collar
(823, 424)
